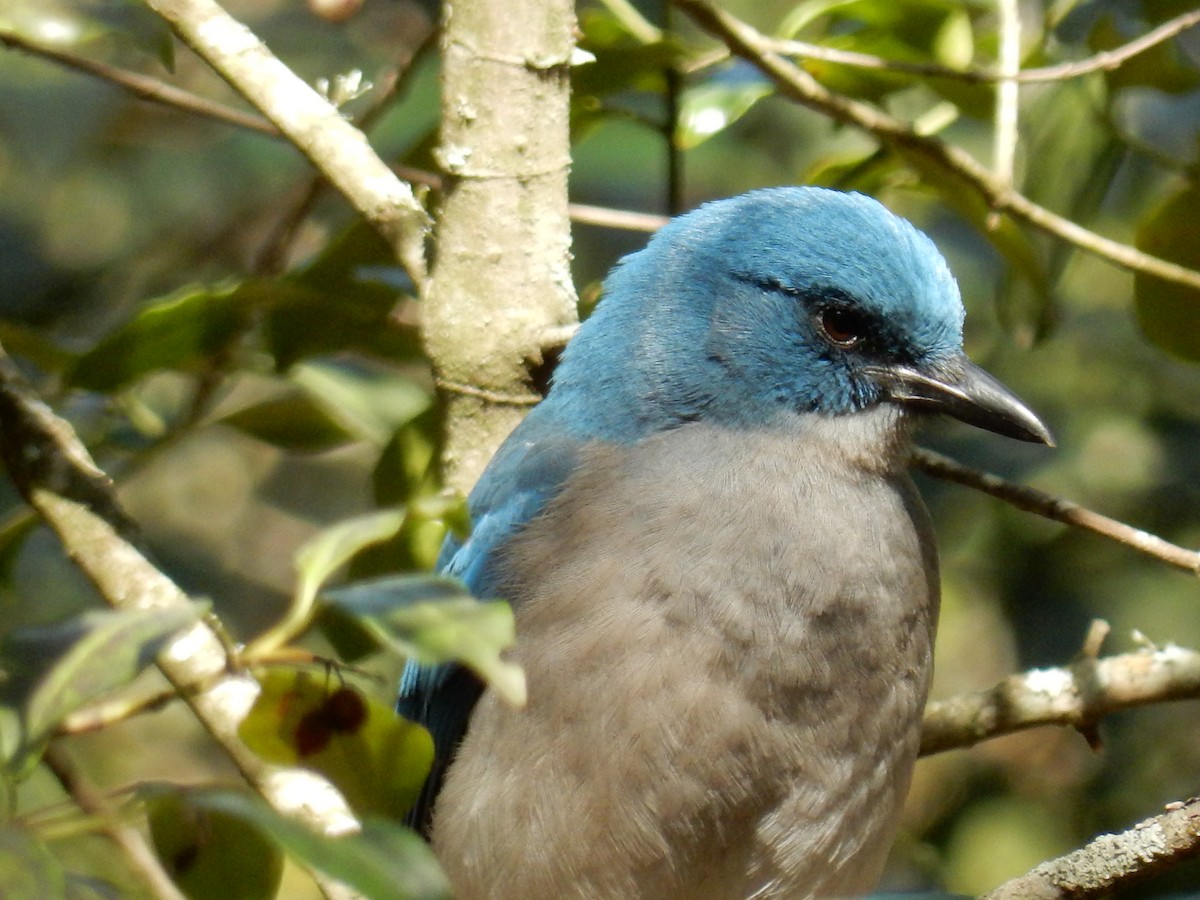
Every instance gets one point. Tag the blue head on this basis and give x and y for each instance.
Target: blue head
(757, 310)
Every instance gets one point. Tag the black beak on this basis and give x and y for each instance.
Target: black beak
(965, 391)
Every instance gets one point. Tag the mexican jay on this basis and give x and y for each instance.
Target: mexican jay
(724, 582)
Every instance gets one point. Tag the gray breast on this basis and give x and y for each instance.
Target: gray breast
(727, 643)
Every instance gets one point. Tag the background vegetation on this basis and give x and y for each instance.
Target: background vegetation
(243, 356)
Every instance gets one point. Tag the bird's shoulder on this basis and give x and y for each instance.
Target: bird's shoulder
(526, 473)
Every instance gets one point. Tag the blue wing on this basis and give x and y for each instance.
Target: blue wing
(525, 474)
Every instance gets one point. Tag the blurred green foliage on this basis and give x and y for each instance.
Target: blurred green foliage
(241, 356)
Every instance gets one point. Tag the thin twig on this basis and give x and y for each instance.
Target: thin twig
(1004, 143)
(101, 715)
(154, 90)
(1057, 508)
(798, 85)
(1078, 695)
(144, 87)
(616, 218)
(129, 840)
(272, 255)
(1112, 862)
(1106, 60)
(316, 128)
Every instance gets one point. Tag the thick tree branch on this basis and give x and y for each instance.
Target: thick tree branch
(796, 84)
(57, 477)
(1113, 861)
(1079, 695)
(502, 277)
(1057, 508)
(339, 150)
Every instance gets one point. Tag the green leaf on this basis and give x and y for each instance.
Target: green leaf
(64, 24)
(622, 66)
(718, 102)
(805, 13)
(377, 759)
(181, 332)
(31, 344)
(433, 619)
(1169, 313)
(51, 671)
(915, 31)
(294, 421)
(28, 871)
(210, 853)
(318, 559)
(343, 300)
(383, 862)
(407, 472)
(370, 402)
(137, 25)
(13, 532)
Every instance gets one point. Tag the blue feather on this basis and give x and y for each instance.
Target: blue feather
(721, 319)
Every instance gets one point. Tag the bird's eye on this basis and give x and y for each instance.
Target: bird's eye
(841, 327)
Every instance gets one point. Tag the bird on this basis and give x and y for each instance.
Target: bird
(724, 582)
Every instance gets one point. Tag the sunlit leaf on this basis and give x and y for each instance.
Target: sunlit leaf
(407, 473)
(954, 41)
(383, 862)
(806, 12)
(181, 332)
(915, 31)
(716, 103)
(369, 402)
(62, 24)
(377, 759)
(433, 619)
(332, 548)
(53, 670)
(211, 854)
(1169, 313)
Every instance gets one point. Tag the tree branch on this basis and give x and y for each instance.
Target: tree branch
(798, 85)
(503, 230)
(338, 149)
(1106, 60)
(57, 477)
(1057, 508)
(1079, 695)
(1113, 861)
(1004, 143)
(144, 87)
(272, 255)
